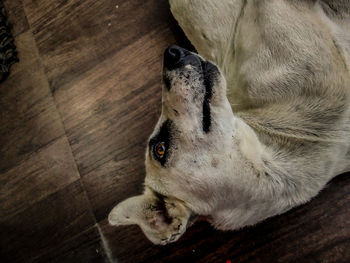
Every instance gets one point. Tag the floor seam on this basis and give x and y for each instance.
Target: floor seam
(102, 239)
(105, 245)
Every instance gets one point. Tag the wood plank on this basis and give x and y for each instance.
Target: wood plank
(29, 118)
(16, 16)
(27, 53)
(86, 247)
(45, 225)
(44, 173)
(88, 32)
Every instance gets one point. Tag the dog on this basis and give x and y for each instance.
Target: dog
(254, 125)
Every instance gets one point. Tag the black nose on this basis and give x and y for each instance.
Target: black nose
(173, 56)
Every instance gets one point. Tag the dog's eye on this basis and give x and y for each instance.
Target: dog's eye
(159, 149)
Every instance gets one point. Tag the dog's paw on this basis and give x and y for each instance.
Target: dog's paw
(167, 223)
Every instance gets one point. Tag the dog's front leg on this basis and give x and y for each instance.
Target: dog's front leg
(209, 25)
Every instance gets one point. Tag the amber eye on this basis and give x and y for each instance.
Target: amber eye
(159, 149)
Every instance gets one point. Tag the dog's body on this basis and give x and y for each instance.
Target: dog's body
(279, 136)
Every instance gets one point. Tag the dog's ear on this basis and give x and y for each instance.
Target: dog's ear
(147, 209)
(163, 221)
(130, 211)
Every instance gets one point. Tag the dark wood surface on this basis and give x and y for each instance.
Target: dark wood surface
(76, 113)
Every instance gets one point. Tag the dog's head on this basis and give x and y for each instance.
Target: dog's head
(188, 152)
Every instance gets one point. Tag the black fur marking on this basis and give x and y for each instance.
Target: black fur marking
(160, 206)
(163, 135)
(206, 116)
(167, 82)
(208, 69)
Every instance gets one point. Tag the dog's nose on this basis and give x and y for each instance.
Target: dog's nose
(173, 56)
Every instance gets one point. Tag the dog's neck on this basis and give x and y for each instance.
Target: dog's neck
(249, 145)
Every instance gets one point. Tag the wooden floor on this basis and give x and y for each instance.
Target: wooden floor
(75, 116)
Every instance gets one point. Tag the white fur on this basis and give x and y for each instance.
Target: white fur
(280, 131)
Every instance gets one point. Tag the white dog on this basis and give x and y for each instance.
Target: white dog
(256, 131)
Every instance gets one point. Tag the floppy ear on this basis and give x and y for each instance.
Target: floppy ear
(161, 219)
(128, 212)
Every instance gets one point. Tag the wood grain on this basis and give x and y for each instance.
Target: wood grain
(44, 173)
(45, 225)
(85, 247)
(29, 118)
(17, 16)
(88, 32)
